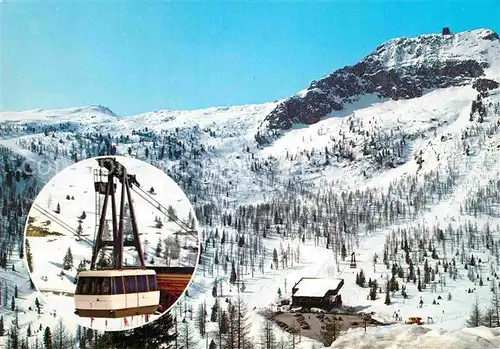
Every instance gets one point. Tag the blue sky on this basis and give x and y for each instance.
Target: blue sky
(136, 58)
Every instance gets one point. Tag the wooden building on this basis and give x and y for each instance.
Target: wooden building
(172, 281)
(321, 293)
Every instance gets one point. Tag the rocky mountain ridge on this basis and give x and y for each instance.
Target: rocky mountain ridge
(401, 68)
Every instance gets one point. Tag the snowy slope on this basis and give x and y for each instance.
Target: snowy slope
(440, 113)
(413, 336)
(26, 305)
(89, 114)
(427, 49)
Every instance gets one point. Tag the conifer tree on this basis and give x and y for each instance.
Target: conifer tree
(155, 334)
(475, 316)
(68, 260)
(79, 230)
(275, 257)
(495, 305)
(158, 249)
(233, 278)
(61, 338)
(158, 223)
(387, 295)
(81, 266)
(215, 311)
(5, 296)
(222, 325)
(13, 339)
(201, 319)
(47, 338)
(29, 256)
(330, 332)
(268, 335)
(186, 338)
(238, 334)
(343, 252)
(171, 214)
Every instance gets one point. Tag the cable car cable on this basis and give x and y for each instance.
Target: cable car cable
(163, 210)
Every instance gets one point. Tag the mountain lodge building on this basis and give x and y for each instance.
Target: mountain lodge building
(317, 292)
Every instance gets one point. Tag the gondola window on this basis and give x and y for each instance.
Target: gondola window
(152, 282)
(106, 289)
(130, 284)
(118, 285)
(142, 283)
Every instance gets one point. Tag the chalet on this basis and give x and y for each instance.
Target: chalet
(317, 293)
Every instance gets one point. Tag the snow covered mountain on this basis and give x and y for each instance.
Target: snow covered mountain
(396, 158)
(399, 69)
(89, 114)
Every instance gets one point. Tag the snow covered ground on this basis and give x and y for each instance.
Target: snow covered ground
(420, 337)
(436, 114)
(72, 190)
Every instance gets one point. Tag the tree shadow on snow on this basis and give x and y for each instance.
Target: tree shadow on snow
(59, 265)
(360, 308)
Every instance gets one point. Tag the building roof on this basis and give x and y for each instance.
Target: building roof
(316, 287)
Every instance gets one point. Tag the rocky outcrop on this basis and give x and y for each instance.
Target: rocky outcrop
(483, 85)
(400, 69)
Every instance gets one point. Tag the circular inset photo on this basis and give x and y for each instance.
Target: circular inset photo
(113, 243)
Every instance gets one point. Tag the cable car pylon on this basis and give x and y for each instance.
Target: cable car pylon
(116, 291)
(108, 189)
(353, 261)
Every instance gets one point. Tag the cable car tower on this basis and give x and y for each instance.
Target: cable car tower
(105, 188)
(115, 291)
(353, 261)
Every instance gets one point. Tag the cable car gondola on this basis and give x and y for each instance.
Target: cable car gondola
(116, 293)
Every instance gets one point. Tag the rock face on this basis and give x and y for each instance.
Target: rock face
(399, 69)
(483, 85)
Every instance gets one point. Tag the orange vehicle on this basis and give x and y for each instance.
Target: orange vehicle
(414, 320)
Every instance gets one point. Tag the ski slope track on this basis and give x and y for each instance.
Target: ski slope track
(432, 157)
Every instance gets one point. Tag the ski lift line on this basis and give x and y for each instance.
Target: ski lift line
(174, 218)
(156, 202)
(162, 208)
(177, 222)
(61, 223)
(52, 216)
(64, 225)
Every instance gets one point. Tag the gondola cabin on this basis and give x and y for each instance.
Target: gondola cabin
(116, 293)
